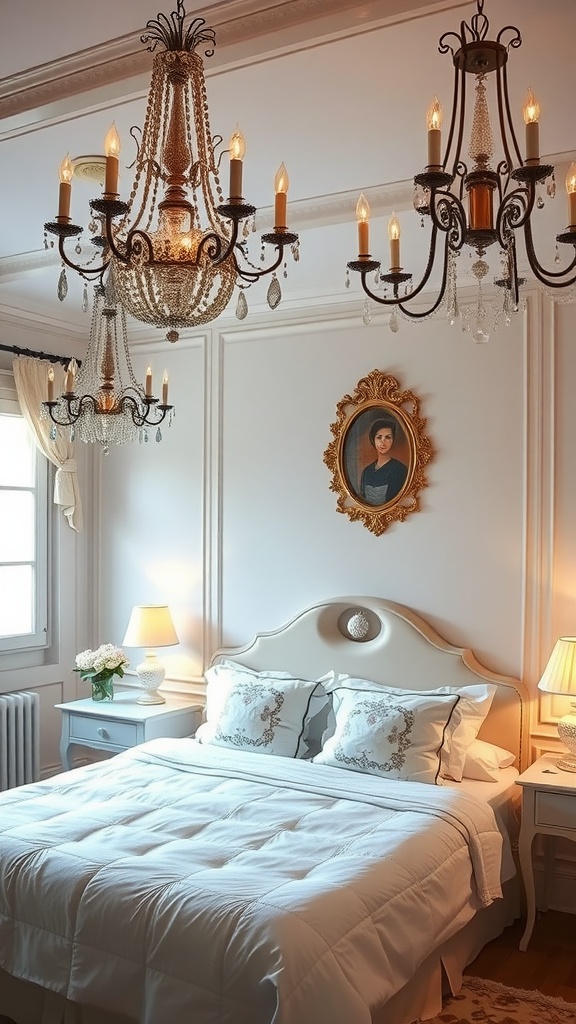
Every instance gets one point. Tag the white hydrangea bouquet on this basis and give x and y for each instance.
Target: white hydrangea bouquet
(99, 668)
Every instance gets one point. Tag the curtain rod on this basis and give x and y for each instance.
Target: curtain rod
(49, 356)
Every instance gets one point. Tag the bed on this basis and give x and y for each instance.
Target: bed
(297, 873)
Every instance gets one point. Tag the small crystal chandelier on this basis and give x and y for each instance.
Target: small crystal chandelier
(176, 250)
(102, 401)
(500, 203)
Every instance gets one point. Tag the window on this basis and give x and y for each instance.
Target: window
(23, 535)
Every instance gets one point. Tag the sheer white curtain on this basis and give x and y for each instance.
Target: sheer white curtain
(31, 377)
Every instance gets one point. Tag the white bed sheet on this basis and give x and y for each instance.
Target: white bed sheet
(123, 886)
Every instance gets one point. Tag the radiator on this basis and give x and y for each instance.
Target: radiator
(19, 739)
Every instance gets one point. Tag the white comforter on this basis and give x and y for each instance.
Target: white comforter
(179, 882)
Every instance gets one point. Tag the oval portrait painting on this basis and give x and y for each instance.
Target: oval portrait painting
(378, 458)
(379, 452)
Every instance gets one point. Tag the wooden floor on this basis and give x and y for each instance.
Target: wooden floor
(549, 963)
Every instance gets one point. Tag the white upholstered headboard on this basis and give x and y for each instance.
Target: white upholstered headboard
(390, 644)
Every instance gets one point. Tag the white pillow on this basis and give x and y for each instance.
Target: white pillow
(471, 710)
(394, 734)
(484, 761)
(266, 712)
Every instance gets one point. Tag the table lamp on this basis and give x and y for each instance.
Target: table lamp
(560, 677)
(150, 626)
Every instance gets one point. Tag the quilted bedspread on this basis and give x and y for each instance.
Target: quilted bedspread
(178, 882)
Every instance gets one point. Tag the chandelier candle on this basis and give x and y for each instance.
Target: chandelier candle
(434, 125)
(281, 183)
(531, 113)
(148, 385)
(112, 151)
(394, 237)
(50, 385)
(237, 154)
(363, 218)
(64, 194)
(70, 378)
(571, 190)
(165, 388)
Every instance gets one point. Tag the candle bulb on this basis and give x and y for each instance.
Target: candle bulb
(148, 387)
(531, 113)
(394, 236)
(51, 385)
(571, 190)
(65, 173)
(165, 388)
(70, 378)
(237, 154)
(363, 217)
(112, 151)
(434, 124)
(281, 183)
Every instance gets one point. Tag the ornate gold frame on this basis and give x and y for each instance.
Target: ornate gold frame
(378, 392)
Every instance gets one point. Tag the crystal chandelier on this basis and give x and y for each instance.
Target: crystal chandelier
(102, 401)
(500, 202)
(176, 249)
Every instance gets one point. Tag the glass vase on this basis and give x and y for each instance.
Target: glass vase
(103, 689)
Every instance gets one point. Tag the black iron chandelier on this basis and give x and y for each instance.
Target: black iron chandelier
(102, 401)
(176, 249)
(500, 202)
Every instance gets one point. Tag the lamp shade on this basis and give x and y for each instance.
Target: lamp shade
(560, 673)
(150, 625)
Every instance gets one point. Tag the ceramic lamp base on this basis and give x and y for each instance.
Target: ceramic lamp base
(151, 674)
(567, 733)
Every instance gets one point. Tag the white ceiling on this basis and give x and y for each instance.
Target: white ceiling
(337, 90)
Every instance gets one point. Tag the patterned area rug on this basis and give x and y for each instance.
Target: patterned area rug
(487, 1002)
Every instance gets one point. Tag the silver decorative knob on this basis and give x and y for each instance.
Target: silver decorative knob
(358, 625)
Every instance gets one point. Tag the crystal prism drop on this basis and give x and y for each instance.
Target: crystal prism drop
(366, 314)
(53, 433)
(241, 306)
(105, 449)
(62, 290)
(158, 434)
(480, 336)
(78, 249)
(539, 203)
(394, 325)
(145, 437)
(72, 433)
(274, 293)
(85, 298)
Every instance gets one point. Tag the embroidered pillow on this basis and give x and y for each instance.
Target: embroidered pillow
(394, 734)
(471, 710)
(265, 712)
(484, 761)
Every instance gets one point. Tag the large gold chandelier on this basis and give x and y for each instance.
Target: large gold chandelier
(477, 206)
(176, 249)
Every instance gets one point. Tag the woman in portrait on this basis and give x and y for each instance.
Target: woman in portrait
(382, 480)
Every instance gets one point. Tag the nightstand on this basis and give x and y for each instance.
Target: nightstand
(122, 723)
(549, 808)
